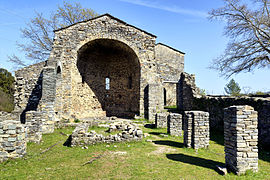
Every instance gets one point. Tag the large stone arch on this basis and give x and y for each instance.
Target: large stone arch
(109, 79)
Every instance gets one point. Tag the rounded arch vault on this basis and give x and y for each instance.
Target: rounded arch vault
(109, 82)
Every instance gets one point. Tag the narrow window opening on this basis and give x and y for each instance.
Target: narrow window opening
(83, 79)
(165, 96)
(58, 70)
(130, 82)
(107, 83)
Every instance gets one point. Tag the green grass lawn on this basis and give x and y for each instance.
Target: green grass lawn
(163, 158)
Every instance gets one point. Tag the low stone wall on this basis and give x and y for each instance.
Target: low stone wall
(241, 139)
(196, 129)
(161, 120)
(12, 140)
(215, 106)
(175, 124)
(127, 132)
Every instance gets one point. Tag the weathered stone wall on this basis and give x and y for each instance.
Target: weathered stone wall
(196, 129)
(170, 65)
(33, 124)
(161, 120)
(174, 127)
(155, 101)
(215, 106)
(169, 93)
(12, 140)
(28, 88)
(68, 42)
(187, 91)
(241, 139)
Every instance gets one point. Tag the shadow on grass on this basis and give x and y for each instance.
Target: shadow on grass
(217, 136)
(264, 155)
(156, 133)
(150, 126)
(206, 163)
(170, 143)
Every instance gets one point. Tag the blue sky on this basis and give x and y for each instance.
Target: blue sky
(181, 24)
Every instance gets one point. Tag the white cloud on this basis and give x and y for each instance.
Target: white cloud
(174, 9)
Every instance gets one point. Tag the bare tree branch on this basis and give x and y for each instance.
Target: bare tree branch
(249, 32)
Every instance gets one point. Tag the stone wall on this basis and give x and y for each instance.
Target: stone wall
(155, 101)
(170, 65)
(34, 123)
(28, 88)
(169, 93)
(196, 129)
(174, 126)
(187, 91)
(215, 106)
(241, 139)
(12, 140)
(161, 120)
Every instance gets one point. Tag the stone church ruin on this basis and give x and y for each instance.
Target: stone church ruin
(104, 68)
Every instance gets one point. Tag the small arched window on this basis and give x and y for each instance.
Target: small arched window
(58, 71)
(107, 83)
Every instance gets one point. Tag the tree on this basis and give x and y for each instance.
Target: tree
(6, 82)
(249, 33)
(232, 88)
(39, 31)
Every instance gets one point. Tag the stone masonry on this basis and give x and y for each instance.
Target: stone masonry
(196, 129)
(174, 127)
(161, 120)
(126, 132)
(241, 139)
(12, 140)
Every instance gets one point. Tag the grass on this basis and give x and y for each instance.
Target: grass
(164, 158)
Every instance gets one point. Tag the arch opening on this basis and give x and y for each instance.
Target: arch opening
(111, 71)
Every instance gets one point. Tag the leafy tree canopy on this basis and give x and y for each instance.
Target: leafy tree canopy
(232, 88)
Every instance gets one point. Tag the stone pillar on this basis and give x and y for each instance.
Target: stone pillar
(34, 122)
(175, 124)
(48, 98)
(196, 129)
(161, 120)
(155, 100)
(241, 139)
(12, 140)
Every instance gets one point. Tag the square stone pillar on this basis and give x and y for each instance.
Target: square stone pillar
(196, 129)
(241, 139)
(175, 124)
(161, 120)
(155, 100)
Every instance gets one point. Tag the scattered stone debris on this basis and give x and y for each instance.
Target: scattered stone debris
(127, 132)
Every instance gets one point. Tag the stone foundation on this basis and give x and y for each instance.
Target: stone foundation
(175, 124)
(241, 139)
(196, 129)
(34, 126)
(127, 132)
(12, 140)
(161, 120)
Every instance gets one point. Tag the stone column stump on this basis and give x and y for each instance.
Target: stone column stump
(241, 139)
(175, 124)
(161, 120)
(196, 129)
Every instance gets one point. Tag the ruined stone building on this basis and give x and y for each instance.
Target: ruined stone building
(97, 68)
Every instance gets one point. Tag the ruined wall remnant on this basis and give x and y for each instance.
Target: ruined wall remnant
(155, 100)
(12, 140)
(161, 120)
(215, 106)
(34, 123)
(241, 139)
(196, 129)
(174, 124)
(127, 132)
(187, 91)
